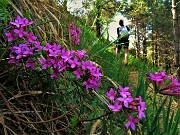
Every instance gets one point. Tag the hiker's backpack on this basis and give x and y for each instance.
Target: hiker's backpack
(124, 32)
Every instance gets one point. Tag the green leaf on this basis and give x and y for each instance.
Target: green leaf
(91, 116)
(153, 130)
(155, 121)
(166, 117)
(74, 120)
(72, 101)
(3, 3)
(175, 130)
(170, 123)
(70, 88)
(54, 97)
(104, 127)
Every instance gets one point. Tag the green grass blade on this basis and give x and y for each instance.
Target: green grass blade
(166, 117)
(175, 129)
(156, 118)
(170, 123)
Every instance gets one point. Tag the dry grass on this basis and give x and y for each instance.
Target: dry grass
(51, 19)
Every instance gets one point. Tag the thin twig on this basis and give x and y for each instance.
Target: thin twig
(11, 110)
(20, 112)
(3, 124)
(97, 117)
(38, 114)
(56, 118)
(11, 130)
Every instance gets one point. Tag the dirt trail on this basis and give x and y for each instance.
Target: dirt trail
(133, 78)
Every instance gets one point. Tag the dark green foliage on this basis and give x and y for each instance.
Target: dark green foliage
(4, 18)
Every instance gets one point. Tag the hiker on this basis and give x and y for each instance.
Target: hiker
(123, 40)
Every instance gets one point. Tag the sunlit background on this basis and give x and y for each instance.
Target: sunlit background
(77, 4)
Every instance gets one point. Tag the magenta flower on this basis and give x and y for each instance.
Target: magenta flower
(29, 51)
(18, 22)
(111, 94)
(55, 62)
(47, 47)
(20, 32)
(78, 30)
(11, 36)
(66, 55)
(56, 47)
(87, 64)
(87, 84)
(174, 83)
(75, 62)
(26, 23)
(92, 82)
(131, 122)
(30, 63)
(45, 63)
(141, 103)
(21, 51)
(126, 100)
(76, 41)
(81, 54)
(91, 67)
(78, 72)
(55, 74)
(13, 60)
(72, 25)
(62, 65)
(75, 33)
(175, 90)
(141, 113)
(53, 53)
(172, 92)
(155, 77)
(37, 46)
(116, 107)
(96, 72)
(124, 90)
(31, 37)
(160, 78)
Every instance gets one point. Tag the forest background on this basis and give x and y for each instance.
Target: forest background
(149, 31)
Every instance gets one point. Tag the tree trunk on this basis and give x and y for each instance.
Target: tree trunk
(153, 47)
(98, 25)
(176, 34)
(136, 33)
(156, 51)
(107, 30)
(176, 38)
(144, 41)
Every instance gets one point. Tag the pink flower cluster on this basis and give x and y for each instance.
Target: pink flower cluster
(75, 34)
(57, 58)
(123, 100)
(60, 59)
(164, 84)
(25, 49)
